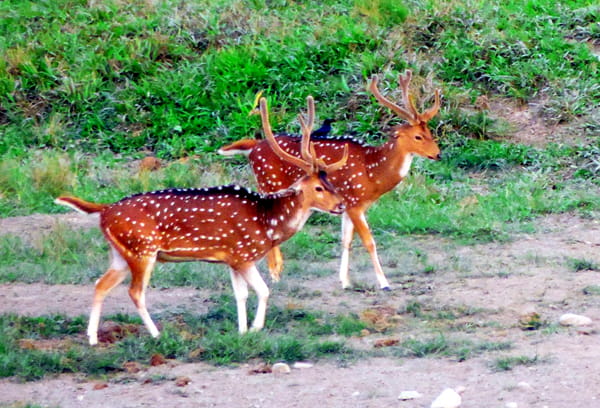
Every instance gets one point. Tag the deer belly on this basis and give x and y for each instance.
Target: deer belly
(192, 254)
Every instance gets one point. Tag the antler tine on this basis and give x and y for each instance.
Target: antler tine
(403, 113)
(404, 81)
(307, 126)
(264, 114)
(431, 112)
(337, 165)
(308, 148)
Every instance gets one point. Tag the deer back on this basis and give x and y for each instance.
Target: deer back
(220, 224)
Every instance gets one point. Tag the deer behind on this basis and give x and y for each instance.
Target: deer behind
(226, 224)
(370, 171)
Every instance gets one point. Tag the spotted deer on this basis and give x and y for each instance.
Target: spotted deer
(370, 171)
(226, 224)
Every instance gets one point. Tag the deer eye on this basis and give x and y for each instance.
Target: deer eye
(419, 137)
(319, 188)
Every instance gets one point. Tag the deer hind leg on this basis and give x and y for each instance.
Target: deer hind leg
(360, 223)
(117, 271)
(141, 270)
(275, 263)
(347, 234)
(240, 291)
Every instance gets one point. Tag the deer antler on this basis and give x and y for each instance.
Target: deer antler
(400, 111)
(409, 112)
(309, 161)
(307, 166)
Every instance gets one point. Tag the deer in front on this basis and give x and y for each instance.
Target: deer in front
(370, 171)
(226, 224)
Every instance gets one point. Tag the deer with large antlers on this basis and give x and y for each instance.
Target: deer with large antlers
(370, 171)
(226, 224)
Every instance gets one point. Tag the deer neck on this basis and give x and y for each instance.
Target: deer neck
(390, 162)
(284, 214)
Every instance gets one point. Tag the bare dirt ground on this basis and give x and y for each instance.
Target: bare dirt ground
(505, 280)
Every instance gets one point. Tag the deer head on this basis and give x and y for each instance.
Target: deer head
(416, 132)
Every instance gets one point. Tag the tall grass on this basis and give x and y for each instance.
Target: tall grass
(177, 77)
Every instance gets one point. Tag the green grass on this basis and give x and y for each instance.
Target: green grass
(582, 264)
(593, 290)
(178, 77)
(460, 209)
(442, 346)
(510, 362)
(291, 335)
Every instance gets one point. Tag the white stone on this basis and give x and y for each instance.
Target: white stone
(280, 368)
(302, 364)
(571, 319)
(525, 386)
(511, 405)
(409, 395)
(447, 399)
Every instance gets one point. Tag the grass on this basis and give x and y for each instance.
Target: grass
(510, 362)
(582, 264)
(33, 347)
(442, 346)
(174, 77)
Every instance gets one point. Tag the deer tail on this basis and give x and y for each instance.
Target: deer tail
(80, 205)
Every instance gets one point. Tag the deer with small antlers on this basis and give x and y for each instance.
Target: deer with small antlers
(226, 224)
(370, 171)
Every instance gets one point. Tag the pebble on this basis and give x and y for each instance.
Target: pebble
(409, 395)
(447, 399)
(525, 386)
(302, 364)
(280, 368)
(511, 405)
(570, 319)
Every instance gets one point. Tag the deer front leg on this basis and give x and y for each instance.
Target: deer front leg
(347, 234)
(259, 286)
(360, 223)
(240, 291)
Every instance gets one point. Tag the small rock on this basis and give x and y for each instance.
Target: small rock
(157, 359)
(525, 386)
(261, 369)
(409, 395)
(132, 367)
(586, 330)
(280, 368)
(570, 319)
(182, 381)
(100, 386)
(385, 343)
(447, 399)
(530, 321)
(511, 405)
(302, 364)
(150, 163)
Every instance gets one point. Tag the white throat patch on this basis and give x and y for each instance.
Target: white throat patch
(406, 165)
